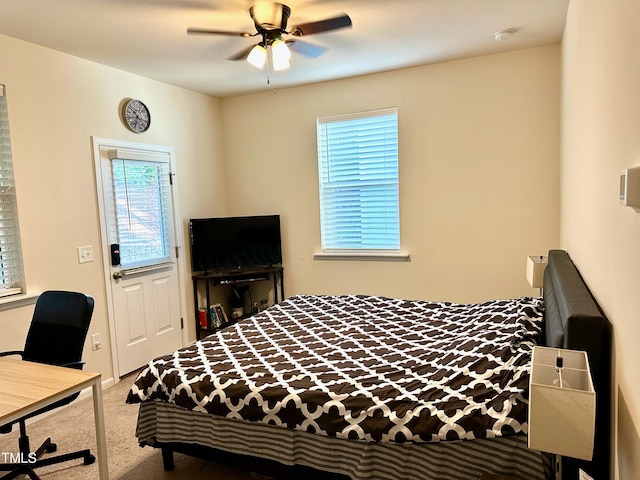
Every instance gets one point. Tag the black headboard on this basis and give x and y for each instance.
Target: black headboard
(574, 320)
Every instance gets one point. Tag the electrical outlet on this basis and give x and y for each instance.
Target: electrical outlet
(96, 341)
(583, 476)
(85, 254)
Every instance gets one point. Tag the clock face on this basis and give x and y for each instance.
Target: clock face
(136, 116)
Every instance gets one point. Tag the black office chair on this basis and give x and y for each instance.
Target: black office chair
(56, 336)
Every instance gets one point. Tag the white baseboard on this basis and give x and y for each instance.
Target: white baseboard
(88, 392)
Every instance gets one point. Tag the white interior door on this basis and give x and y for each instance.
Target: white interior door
(139, 233)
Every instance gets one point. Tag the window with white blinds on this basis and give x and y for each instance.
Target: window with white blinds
(11, 273)
(358, 176)
(142, 210)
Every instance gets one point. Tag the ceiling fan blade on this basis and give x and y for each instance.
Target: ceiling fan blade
(208, 31)
(243, 54)
(306, 49)
(342, 21)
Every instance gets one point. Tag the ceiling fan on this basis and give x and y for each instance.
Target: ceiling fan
(270, 20)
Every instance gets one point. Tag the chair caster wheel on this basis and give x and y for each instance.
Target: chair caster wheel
(89, 459)
(52, 447)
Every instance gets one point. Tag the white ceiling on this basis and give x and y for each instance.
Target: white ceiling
(148, 37)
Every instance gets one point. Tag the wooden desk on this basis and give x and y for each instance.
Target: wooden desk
(27, 386)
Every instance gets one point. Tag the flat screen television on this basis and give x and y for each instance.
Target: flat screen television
(233, 243)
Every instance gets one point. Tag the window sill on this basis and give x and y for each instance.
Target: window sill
(366, 256)
(20, 300)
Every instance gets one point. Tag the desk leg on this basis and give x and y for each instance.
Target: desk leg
(101, 439)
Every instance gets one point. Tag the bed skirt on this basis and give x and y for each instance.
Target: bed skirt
(460, 460)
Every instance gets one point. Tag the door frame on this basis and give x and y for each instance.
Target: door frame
(99, 143)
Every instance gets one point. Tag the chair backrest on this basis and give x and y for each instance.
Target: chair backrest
(58, 328)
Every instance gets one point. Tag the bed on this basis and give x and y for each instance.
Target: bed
(365, 387)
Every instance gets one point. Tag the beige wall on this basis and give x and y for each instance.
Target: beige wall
(601, 136)
(480, 188)
(479, 171)
(56, 103)
(479, 174)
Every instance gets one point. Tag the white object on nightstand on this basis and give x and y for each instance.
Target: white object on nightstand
(535, 270)
(582, 475)
(630, 187)
(562, 403)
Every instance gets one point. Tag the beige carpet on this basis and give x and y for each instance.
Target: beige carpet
(72, 428)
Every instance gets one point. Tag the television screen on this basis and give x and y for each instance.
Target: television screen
(231, 243)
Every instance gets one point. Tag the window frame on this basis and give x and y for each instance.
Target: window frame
(381, 158)
(160, 163)
(9, 223)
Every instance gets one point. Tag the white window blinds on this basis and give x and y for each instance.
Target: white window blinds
(10, 252)
(358, 176)
(142, 208)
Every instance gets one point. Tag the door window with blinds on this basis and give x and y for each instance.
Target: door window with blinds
(142, 210)
(358, 182)
(11, 273)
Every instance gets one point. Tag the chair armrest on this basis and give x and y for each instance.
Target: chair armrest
(12, 352)
(76, 365)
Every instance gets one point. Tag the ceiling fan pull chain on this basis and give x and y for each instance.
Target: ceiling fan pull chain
(268, 71)
(269, 83)
(269, 76)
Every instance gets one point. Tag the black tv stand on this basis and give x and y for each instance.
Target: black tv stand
(238, 270)
(239, 275)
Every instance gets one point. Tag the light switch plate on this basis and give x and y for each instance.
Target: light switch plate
(85, 254)
(96, 341)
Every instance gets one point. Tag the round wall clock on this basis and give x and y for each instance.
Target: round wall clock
(135, 116)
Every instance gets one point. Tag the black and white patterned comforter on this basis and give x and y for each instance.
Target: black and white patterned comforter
(362, 367)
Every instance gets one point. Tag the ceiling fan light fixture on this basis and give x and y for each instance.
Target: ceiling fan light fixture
(257, 56)
(280, 49)
(270, 21)
(281, 54)
(281, 64)
(270, 15)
